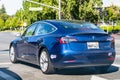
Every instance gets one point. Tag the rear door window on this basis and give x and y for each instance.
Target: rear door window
(44, 28)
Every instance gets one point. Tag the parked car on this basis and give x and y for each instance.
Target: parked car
(58, 44)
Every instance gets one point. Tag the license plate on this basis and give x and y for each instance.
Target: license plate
(93, 45)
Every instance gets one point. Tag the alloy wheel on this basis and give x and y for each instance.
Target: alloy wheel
(44, 61)
(12, 54)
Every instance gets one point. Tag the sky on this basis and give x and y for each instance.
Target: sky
(110, 2)
(13, 5)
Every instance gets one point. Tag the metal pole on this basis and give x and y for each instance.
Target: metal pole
(42, 4)
(59, 9)
(103, 14)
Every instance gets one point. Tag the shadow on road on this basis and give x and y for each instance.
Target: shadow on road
(86, 71)
(29, 64)
(4, 50)
(6, 74)
(77, 71)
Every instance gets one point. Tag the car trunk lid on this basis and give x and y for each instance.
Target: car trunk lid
(90, 41)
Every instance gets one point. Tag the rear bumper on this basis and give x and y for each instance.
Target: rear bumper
(84, 59)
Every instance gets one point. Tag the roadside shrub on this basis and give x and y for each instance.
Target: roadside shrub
(116, 27)
(105, 28)
(110, 28)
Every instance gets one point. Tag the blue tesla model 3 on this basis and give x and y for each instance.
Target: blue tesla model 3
(58, 44)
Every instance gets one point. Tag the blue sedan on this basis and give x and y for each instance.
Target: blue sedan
(58, 44)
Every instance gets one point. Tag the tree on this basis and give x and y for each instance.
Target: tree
(4, 16)
(112, 13)
(46, 13)
(2, 10)
(8, 23)
(1, 23)
(87, 10)
(75, 9)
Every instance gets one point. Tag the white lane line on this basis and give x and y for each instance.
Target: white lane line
(6, 76)
(97, 78)
(5, 63)
(117, 55)
(118, 65)
(114, 64)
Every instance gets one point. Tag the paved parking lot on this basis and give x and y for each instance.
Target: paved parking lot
(25, 71)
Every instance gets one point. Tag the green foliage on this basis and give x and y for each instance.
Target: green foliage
(46, 13)
(88, 12)
(4, 16)
(118, 23)
(1, 23)
(116, 27)
(2, 10)
(70, 9)
(8, 23)
(110, 28)
(112, 13)
(12, 22)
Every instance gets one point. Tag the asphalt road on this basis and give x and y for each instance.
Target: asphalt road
(25, 71)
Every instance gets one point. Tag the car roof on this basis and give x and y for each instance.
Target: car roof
(61, 21)
(57, 23)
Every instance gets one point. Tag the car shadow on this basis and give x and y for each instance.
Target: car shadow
(4, 50)
(77, 71)
(29, 64)
(85, 71)
(6, 74)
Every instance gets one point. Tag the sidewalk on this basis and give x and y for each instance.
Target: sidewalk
(116, 35)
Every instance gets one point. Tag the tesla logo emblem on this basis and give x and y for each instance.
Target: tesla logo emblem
(93, 37)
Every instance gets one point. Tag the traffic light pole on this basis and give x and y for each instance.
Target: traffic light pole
(56, 8)
(59, 7)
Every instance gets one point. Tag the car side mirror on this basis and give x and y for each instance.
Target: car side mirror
(18, 35)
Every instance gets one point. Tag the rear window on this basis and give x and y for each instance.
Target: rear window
(68, 25)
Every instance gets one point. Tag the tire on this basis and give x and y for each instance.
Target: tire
(12, 55)
(45, 63)
(103, 69)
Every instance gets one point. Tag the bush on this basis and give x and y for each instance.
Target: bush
(118, 23)
(116, 27)
(105, 28)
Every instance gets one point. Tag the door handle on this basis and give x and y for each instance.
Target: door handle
(40, 40)
(25, 42)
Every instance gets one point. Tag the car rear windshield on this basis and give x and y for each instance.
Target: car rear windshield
(68, 25)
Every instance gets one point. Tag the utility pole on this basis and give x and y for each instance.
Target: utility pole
(59, 7)
(103, 9)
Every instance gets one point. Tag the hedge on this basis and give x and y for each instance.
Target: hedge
(110, 28)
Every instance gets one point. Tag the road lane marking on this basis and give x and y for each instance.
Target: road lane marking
(5, 63)
(97, 78)
(117, 55)
(6, 76)
(116, 65)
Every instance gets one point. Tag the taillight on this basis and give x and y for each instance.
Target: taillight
(66, 40)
